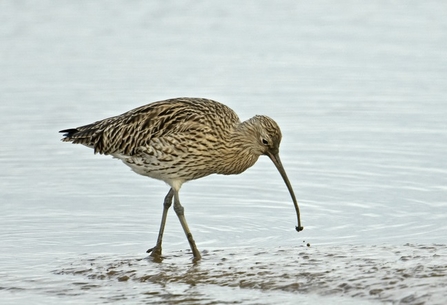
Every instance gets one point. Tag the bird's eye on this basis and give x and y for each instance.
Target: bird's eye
(265, 142)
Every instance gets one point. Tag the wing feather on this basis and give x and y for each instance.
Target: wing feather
(128, 132)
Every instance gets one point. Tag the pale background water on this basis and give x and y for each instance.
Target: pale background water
(359, 89)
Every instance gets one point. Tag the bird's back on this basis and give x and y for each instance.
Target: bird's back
(173, 140)
(125, 134)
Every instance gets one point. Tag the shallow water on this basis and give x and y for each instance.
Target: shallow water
(347, 274)
(358, 90)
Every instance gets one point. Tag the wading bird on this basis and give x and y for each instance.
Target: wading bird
(183, 139)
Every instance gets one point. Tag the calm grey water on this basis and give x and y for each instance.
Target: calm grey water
(359, 89)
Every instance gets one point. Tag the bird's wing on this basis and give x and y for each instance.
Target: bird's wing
(127, 132)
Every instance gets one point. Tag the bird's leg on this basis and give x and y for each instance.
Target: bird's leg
(180, 211)
(156, 251)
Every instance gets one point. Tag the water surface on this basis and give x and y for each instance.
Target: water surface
(359, 90)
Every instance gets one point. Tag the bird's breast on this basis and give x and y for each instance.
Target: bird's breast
(175, 157)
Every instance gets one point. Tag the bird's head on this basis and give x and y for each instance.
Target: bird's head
(266, 138)
(266, 135)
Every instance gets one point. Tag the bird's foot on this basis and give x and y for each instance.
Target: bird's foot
(155, 254)
(155, 251)
(196, 255)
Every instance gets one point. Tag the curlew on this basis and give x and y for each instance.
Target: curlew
(183, 139)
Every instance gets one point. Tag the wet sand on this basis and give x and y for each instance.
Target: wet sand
(407, 274)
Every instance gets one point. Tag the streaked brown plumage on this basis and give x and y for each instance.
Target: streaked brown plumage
(183, 139)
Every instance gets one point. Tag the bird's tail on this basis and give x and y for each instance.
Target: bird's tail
(68, 134)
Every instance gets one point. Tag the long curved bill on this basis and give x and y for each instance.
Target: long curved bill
(277, 161)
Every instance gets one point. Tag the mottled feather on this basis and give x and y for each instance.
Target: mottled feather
(182, 139)
(127, 132)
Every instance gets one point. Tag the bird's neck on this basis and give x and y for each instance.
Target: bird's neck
(240, 155)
